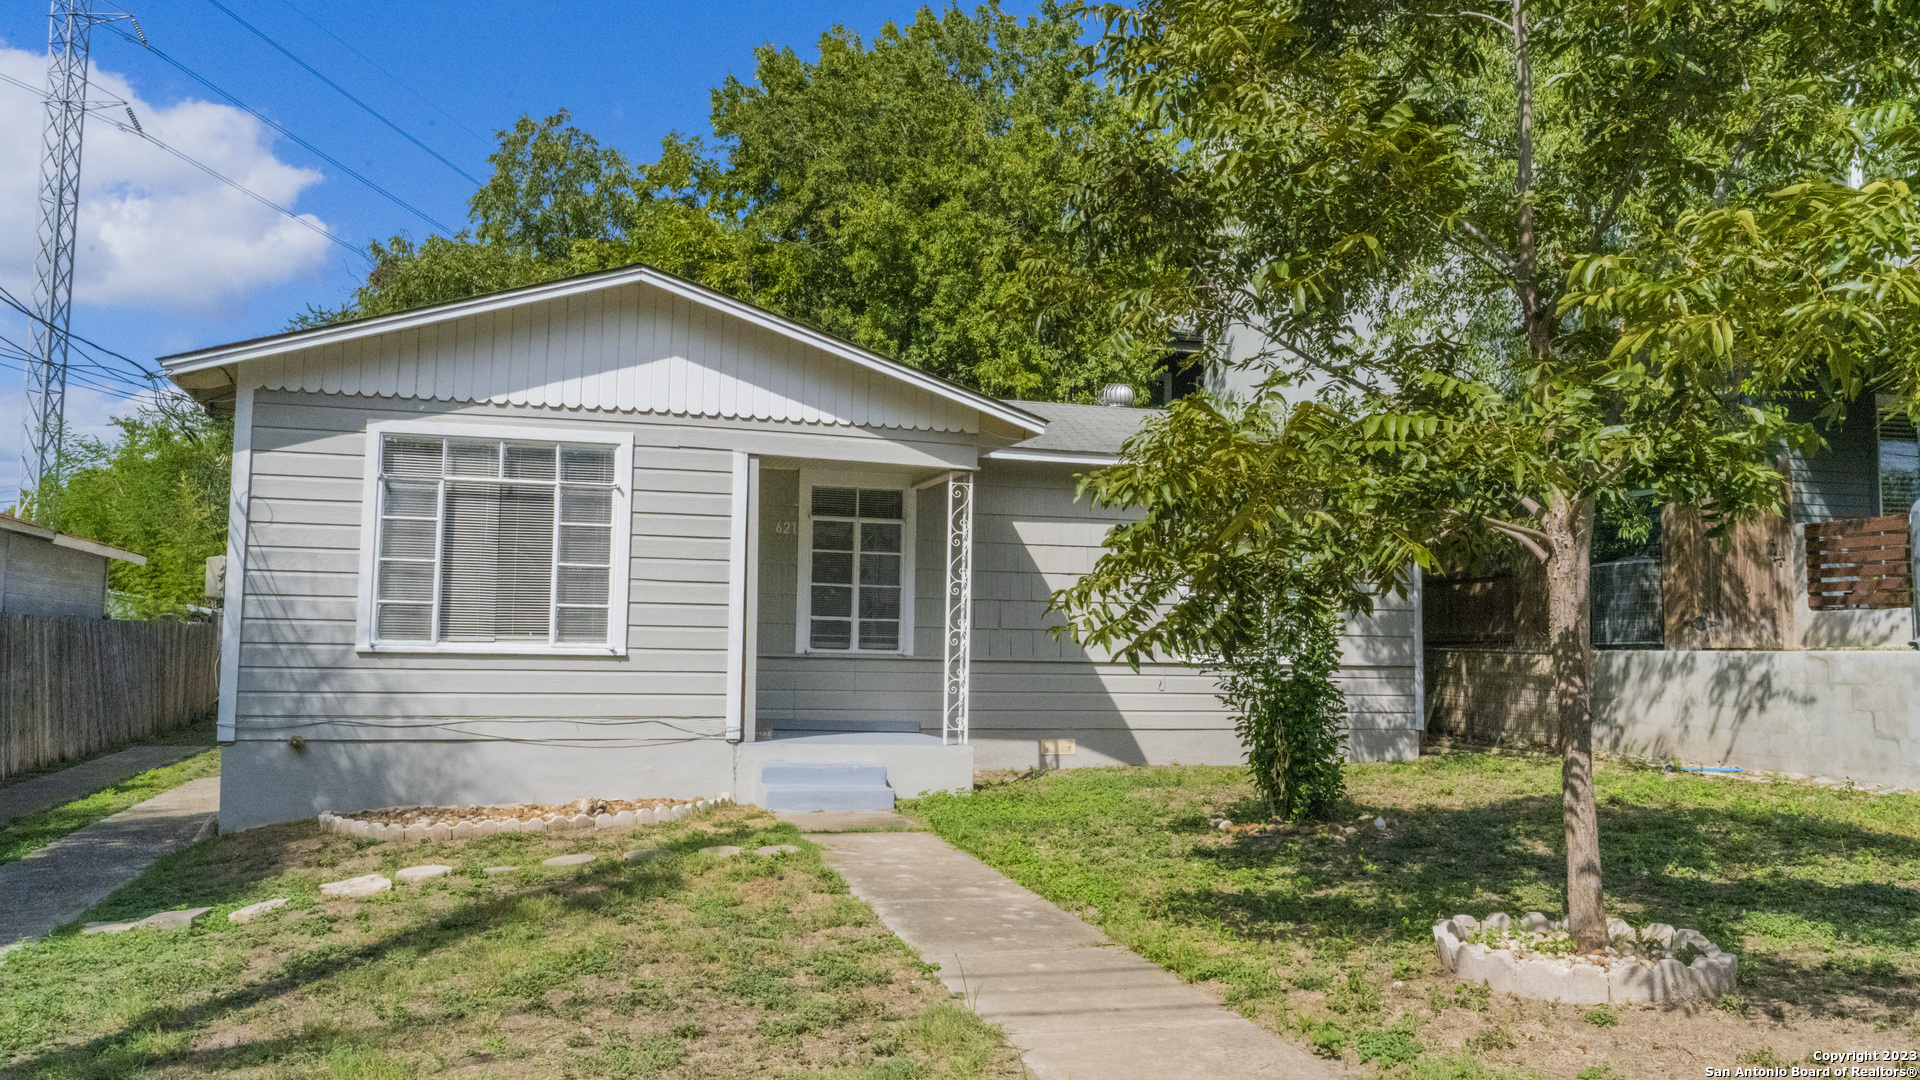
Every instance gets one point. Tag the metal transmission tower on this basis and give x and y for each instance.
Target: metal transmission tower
(71, 24)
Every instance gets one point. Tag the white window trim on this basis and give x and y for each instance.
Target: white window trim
(854, 477)
(619, 578)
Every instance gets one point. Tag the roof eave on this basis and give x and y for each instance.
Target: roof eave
(1057, 457)
(77, 543)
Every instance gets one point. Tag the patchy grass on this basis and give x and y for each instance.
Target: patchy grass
(1325, 935)
(685, 966)
(24, 835)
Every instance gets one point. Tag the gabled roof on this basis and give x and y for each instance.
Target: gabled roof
(66, 540)
(295, 341)
(1077, 434)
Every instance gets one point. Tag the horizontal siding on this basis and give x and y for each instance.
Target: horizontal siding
(298, 662)
(1056, 698)
(1842, 480)
(301, 673)
(630, 348)
(1031, 538)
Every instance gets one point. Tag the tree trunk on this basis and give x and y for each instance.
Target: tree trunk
(1569, 529)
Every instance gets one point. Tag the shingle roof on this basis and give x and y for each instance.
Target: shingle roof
(1082, 429)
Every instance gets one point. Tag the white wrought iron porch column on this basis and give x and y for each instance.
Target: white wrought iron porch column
(956, 672)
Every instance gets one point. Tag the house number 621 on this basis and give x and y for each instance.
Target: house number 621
(783, 528)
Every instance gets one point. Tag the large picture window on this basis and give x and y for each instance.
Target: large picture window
(497, 544)
(859, 569)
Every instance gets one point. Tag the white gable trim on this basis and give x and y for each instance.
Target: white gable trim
(1058, 457)
(281, 345)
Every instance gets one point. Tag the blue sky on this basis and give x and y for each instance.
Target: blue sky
(172, 260)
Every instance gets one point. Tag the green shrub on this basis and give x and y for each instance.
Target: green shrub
(1287, 710)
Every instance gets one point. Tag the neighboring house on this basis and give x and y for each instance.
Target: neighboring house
(1785, 645)
(44, 572)
(620, 535)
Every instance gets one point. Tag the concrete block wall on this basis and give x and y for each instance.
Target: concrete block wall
(1842, 713)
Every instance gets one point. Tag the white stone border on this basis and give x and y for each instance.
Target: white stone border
(467, 829)
(1626, 982)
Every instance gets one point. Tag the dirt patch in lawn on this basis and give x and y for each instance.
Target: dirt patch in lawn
(681, 966)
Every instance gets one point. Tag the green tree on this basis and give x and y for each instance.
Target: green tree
(1519, 263)
(887, 192)
(158, 489)
(909, 176)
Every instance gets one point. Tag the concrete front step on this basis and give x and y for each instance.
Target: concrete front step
(903, 763)
(829, 773)
(803, 797)
(825, 785)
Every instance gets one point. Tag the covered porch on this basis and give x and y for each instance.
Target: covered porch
(853, 622)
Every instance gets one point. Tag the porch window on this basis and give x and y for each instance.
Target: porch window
(496, 544)
(858, 569)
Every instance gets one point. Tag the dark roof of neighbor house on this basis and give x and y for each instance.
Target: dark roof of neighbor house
(1096, 430)
(66, 540)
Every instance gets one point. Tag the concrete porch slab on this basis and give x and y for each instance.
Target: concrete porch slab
(914, 763)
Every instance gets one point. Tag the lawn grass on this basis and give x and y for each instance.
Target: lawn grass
(683, 966)
(24, 835)
(1326, 936)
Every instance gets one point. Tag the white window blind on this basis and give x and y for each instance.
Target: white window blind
(494, 541)
(858, 551)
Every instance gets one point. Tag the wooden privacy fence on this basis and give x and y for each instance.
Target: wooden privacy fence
(1860, 563)
(71, 687)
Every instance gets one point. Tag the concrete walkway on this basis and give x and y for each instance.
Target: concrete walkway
(58, 883)
(79, 781)
(1076, 1005)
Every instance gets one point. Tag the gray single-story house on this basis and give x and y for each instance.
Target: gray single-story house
(47, 572)
(620, 535)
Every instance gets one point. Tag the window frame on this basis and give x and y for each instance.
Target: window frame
(619, 577)
(803, 601)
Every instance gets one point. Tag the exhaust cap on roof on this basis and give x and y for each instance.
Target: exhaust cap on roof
(1116, 395)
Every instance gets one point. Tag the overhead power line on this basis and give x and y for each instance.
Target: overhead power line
(109, 391)
(370, 110)
(88, 348)
(237, 186)
(137, 130)
(397, 80)
(263, 118)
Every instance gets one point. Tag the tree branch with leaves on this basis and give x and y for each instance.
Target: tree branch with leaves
(1566, 255)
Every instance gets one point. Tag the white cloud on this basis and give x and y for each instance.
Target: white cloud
(154, 231)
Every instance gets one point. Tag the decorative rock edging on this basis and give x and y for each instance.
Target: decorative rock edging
(355, 825)
(1625, 980)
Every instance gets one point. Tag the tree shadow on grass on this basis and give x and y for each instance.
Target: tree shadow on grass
(224, 871)
(1782, 889)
